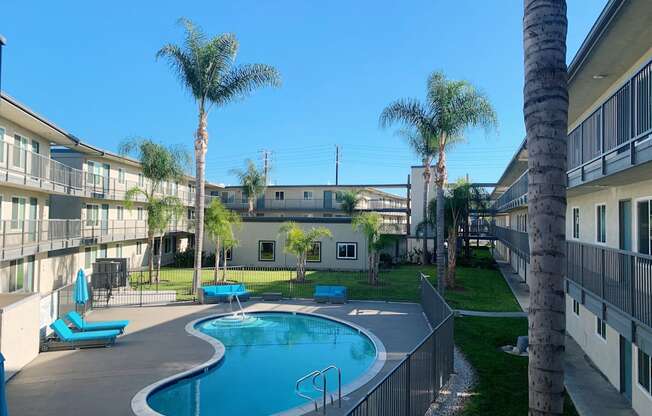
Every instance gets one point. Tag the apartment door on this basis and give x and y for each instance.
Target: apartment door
(260, 202)
(328, 199)
(35, 161)
(105, 219)
(626, 367)
(625, 224)
(106, 175)
(644, 226)
(32, 219)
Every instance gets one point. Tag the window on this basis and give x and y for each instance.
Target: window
(227, 197)
(600, 222)
(141, 213)
(576, 222)
(279, 195)
(121, 175)
(228, 254)
(266, 250)
(601, 328)
(2, 145)
(16, 276)
(644, 229)
(121, 213)
(314, 253)
(347, 251)
(141, 180)
(191, 213)
(17, 212)
(20, 151)
(644, 371)
(104, 251)
(307, 195)
(118, 250)
(576, 307)
(139, 248)
(166, 245)
(90, 255)
(92, 215)
(339, 196)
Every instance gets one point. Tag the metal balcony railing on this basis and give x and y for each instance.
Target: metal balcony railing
(308, 204)
(516, 240)
(27, 237)
(515, 196)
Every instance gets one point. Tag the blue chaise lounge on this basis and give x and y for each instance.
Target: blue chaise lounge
(222, 293)
(332, 294)
(72, 340)
(84, 326)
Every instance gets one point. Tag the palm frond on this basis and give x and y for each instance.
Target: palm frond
(242, 80)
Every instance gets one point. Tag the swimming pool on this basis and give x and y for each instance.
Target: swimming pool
(264, 355)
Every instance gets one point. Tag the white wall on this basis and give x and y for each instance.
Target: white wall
(19, 330)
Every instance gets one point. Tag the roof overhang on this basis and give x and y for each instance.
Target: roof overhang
(618, 39)
(516, 167)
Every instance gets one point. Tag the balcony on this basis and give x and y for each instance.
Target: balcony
(271, 204)
(616, 136)
(394, 228)
(97, 186)
(615, 285)
(22, 238)
(515, 196)
(517, 241)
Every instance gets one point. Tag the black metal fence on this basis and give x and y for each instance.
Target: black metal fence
(415, 383)
(175, 284)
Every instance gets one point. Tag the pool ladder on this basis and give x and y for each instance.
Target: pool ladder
(323, 390)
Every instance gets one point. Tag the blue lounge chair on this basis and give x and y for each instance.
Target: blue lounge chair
(222, 293)
(332, 294)
(72, 340)
(82, 325)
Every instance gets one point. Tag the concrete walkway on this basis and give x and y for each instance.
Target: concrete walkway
(592, 394)
(590, 391)
(103, 381)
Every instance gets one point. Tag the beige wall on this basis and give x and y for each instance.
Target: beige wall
(19, 330)
(246, 254)
(11, 129)
(641, 399)
(609, 196)
(605, 354)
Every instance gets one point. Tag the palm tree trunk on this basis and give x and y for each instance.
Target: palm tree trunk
(158, 261)
(452, 256)
(441, 182)
(150, 261)
(546, 119)
(217, 259)
(425, 258)
(251, 206)
(201, 146)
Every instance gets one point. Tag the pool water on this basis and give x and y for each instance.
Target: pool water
(265, 355)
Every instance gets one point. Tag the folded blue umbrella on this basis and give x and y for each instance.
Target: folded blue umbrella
(81, 288)
(3, 397)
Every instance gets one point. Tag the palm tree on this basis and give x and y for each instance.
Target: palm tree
(299, 242)
(219, 222)
(349, 201)
(159, 164)
(253, 183)
(450, 109)
(424, 144)
(206, 67)
(545, 109)
(161, 211)
(371, 224)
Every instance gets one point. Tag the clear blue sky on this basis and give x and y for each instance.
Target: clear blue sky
(90, 68)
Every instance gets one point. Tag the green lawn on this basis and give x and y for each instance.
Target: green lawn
(502, 387)
(397, 284)
(481, 287)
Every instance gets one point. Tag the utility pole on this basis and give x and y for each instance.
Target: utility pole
(3, 42)
(337, 164)
(266, 154)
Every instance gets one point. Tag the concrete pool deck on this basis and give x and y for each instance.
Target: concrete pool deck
(103, 381)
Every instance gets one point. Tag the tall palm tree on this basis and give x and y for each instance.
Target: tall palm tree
(451, 107)
(206, 67)
(159, 164)
(545, 109)
(253, 183)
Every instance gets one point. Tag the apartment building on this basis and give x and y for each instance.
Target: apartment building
(261, 243)
(609, 216)
(62, 206)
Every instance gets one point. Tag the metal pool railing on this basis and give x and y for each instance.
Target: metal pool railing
(411, 387)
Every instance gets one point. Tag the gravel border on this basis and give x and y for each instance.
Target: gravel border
(453, 396)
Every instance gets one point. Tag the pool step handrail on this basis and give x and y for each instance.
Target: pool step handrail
(322, 390)
(298, 384)
(242, 312)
